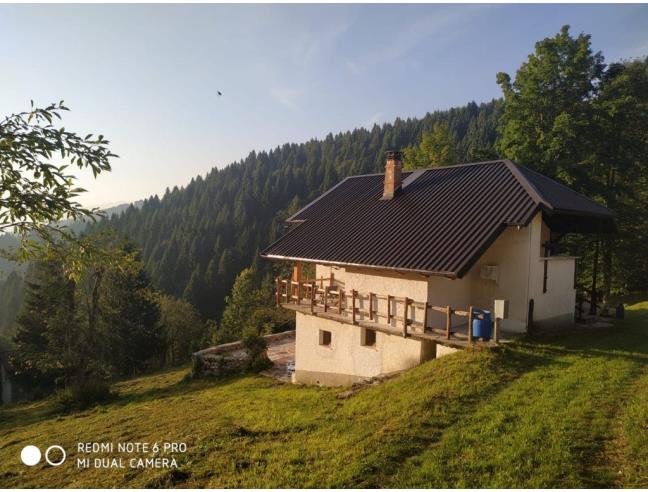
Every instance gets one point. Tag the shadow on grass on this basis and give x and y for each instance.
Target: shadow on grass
(627, 338)
(508, 364)
(14, 417)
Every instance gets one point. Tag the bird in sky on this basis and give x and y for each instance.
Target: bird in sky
(219, 93)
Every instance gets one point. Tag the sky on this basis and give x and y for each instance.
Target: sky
(147, 76)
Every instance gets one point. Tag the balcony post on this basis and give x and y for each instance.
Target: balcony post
(326, 294)
(405, 304)
(425, 316)
(470, 320)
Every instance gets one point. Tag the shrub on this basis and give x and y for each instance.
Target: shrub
(260, 364)
(84, 394)
(257, 350)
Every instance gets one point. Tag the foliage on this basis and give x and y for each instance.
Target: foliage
(240, 305)
(619, 171)
(36, 193)
(184, 331)
(267, 320)
(437, 148)
(256, 347)
(547, 107)
(11, 296)
(101, 322)
(83, 395)
(560, 412)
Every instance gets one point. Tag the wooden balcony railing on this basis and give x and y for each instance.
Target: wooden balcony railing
(332, 299)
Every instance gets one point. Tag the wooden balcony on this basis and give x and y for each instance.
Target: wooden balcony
(400, 318)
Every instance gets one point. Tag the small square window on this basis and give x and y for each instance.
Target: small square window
(368, 337)
(325, 337)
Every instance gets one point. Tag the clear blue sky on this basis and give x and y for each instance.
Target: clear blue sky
(146, 76)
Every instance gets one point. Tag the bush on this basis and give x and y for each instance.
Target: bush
(255, 345)
(260, 364)
(257, 350)
(83, 395)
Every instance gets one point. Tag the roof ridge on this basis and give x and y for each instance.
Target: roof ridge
(463, 164)
(530, 188)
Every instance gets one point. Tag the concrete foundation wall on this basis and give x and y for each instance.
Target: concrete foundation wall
(346, 358)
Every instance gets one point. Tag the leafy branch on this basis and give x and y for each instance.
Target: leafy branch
(36, 194)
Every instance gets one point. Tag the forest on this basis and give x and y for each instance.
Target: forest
(564, 113)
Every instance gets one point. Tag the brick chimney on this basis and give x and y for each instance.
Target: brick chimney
(393, 170)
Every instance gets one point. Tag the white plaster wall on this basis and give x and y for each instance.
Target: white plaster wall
(346, 355)
(560, 298)
(388, 283)
(510, 252)
(325, 271)
(447, 292)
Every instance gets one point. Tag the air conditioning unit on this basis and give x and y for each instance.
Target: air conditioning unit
(489, 272)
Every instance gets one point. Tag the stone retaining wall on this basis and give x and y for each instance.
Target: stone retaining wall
(228, 358)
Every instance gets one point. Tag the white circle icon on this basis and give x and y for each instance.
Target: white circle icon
(30, 455)
(54, 463)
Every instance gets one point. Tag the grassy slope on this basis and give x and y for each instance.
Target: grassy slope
(568, 411)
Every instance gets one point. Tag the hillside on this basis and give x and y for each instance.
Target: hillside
(196, 239)
(565, 411)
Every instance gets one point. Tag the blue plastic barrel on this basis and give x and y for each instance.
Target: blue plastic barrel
(483, 325)
(620, 311)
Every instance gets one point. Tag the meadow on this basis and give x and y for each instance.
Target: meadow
(567, 410)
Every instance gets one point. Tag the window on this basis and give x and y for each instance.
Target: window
(325, 337)
(368, 337)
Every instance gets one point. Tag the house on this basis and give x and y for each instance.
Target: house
(402, 260)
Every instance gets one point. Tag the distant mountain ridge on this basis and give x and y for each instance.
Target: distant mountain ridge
(9, 242)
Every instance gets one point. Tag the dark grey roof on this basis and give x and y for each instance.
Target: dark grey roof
(440, 223)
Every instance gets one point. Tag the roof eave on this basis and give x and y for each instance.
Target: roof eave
(451, 275)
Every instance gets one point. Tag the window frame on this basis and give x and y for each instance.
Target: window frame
(323, 335)
(363, 338)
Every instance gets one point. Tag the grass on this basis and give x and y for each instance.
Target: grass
(562, 411)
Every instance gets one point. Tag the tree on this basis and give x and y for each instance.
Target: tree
(11, 295)
(87, 320)
(618, 163)
(547, 110)
(129, 318)
(437, 148)
(240, 305)
(35, 192)
(48, 336)
(184, 331)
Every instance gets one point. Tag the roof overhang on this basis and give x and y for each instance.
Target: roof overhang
(451, 275)
(582, 223)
